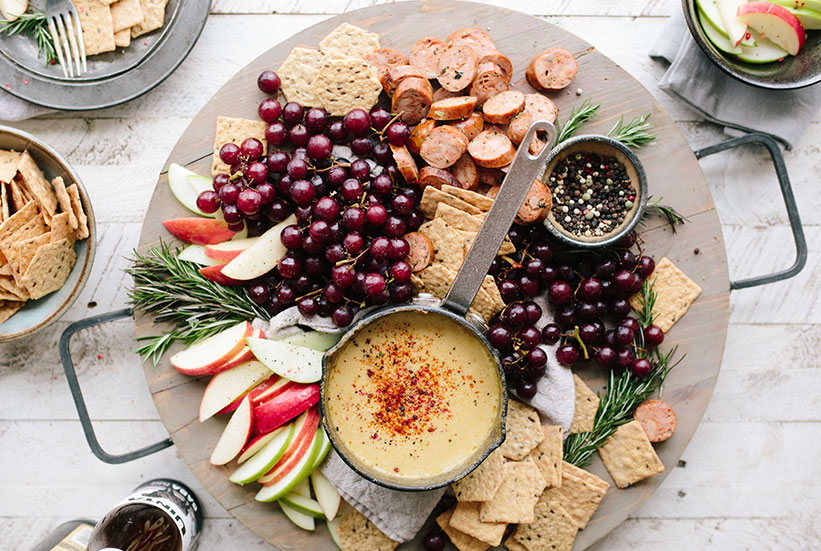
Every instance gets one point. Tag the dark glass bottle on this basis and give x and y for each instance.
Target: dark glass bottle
(69, 536)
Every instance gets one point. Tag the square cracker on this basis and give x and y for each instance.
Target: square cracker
(436, 279)
(584, 412)
(8, 308)
(79, 213)
(548, 455)
(581, 498)
(523, 432)
(462, 541)
(448, 242)
(234, 130)
(349, 41)
(98, 27)
(482, 483)
(64, 200)
(553, 529)
(357, 533)
(61, 228)
(345, 84)
(23, 252)
(488, 300)
(511, 544)
(37, 186)
(629, 456)
(125, 14)
(675, 292)
(298, 72)
(465, 518)
(9, 286)
(5, 210)
(34, 227)
(517, 496)
(122, 39)
(8, 165)
(49, 268)
(459, 219)
(482, 202)
(431, 197)
(154, 17)
(507, 246)
(16, 221)
(587, 476)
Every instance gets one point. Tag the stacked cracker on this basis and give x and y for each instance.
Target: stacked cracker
(39, 222)
(336, 76)
(109, 24)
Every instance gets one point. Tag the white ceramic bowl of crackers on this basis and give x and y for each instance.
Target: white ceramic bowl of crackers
(47, 235)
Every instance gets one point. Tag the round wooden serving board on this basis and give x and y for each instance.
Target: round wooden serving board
(697, 248)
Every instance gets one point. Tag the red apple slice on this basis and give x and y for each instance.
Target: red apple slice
(271, 392)
(774, 23)
(205, 356)
(280, 409)
(235, 435)
(296, 451)
(229, 250)
(229, 385)
(215, 274)
(254, 392)
(255, 444)
(199, 231)
(261, 257)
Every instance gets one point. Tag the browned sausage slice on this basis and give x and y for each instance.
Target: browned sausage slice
(491, 149)
(473, 37)
(536, 145)
(537, 204)
(466, 172)
(517, 128)
(418, 135)
(425, 56)
(443, 146)
(421, 251)
(489, 82)
(441, 94)
(385, 58)
(500, 60)
(413, 97)
(450, 109)
(657, 419)
(436, 177)
(457, 68)
(501, 108)
(498, 128)
(471, 126)
(552, 69)
(405, 163)
(540, 108)
(490, 176)
(391, 78)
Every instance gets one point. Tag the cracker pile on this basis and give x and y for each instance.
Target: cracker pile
(335, 76)
(39, 222)
(108, 24)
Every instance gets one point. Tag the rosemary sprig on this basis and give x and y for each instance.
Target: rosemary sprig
(33, 24)
(174, 291)
(672, 216)
(578, 116)
(636, 133)
(648, 301)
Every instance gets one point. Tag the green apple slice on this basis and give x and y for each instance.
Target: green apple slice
(261, 257)
(709, 11)
(810, 19)
(296, 363)
(306, 522)
(323, 451)
(803, 4)
(299, 472)
(303, 489)
(333, 530)
(719, 41)
(327, 496)
(196, 254)
(265, 459)
(314, 339)
(764, 51)
(186, 189)
(303, 504)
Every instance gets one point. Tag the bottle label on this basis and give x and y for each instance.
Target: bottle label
(77, 540)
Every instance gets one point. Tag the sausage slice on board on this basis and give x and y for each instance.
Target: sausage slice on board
(418, 135)
(471, 126)
(450, 109)
(421, 251)
(465, 172)
(443, 146)
(391, 78)
(436, 177)
(473, 37)
(457, 68)
(425, 56)
(552, 69)
(500, 60)
(657, 419)
(405, 163)
(490, 176)
(441, 94)
(492, 149)
(385, 58)
(501, 108)
(537, 204)
(540, 108)
(413, 98)
(517, 128)
(489, 81)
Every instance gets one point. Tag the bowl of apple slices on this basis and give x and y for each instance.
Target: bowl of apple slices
(772, 44)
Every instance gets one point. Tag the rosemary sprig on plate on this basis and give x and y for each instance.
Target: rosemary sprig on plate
(672, 216)
(636, 133)
(33, 24)
(175, 292)
(578, 116)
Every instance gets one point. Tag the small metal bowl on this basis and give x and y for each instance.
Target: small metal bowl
(600, 145)
(793, 72)
(37, 314)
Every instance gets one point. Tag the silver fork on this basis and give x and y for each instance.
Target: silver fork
(67, 35)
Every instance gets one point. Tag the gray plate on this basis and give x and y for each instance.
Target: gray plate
(112, 78)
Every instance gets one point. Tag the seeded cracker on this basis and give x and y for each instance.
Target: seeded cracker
(8, 308)
(548, 455)
(154, 14)
(345, 84)
(64, 201)
(488, 301)
(465, 518)
(349, 41)
(587, 404)
(298, 72)
(511, 544)
(553, 529)
(122, 39)
(587, 476)
(581, 497)
(77, 209)
(516, 498)
(629, 456)
(524, 431)
(357, 533)
(23, 252)
(49, 269)
(37, 186)
(98, 27)
(462, 541)
(233, 130)
(448, 242)
(16, 221)
(431, 198)
(5, 211)
(61, 228)
(8, 165)
(482, 202)
(436, 279)
(675, 292)
(482, 483)
(125, 14)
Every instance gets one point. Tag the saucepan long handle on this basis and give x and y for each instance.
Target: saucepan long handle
(524, 169)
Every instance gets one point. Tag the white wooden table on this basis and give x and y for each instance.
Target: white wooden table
(750, 478)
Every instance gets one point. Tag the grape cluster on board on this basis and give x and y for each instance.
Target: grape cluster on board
(347, 249)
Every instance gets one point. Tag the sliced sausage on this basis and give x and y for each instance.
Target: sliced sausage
(494, 191)
(436, 177)
(421, 252)
(450, 109)
(500, 60)
(457, 68)
(517, 128)
(552, 69)
(471, 126)
(473, 37)
(489, 82)
(443, 146)
(491, 149)
(405, 163)
(425, 56)
(393, 76)
(490, 176)
(498, 128)
(501, 108)
(465, 172)
(536, 145)
(441, 94)
(537, 204)
(413, 98)
(418, 135)
(540, 108)
(657, 419)
(384, 59)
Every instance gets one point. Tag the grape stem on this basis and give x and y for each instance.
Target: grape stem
(396, 117)
(578, 337)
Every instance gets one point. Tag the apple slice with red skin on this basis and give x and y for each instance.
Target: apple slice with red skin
(244, 355)
(273, 391)
(199, 231)
(229, 250)
(280, 409)
(255, 444)
(235, 435)
(253, 393)
(300, 445)
(214, 273)
(774, 23)
(229, 385)
(261, 257)
(205, 357)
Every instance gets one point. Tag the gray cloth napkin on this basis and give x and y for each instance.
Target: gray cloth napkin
(14, 109)
(695, 80)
